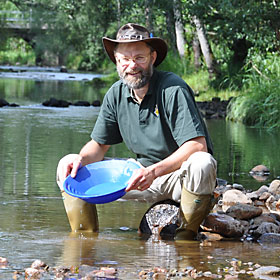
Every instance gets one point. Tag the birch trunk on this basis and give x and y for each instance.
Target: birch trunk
(179, 28)
(205, 48)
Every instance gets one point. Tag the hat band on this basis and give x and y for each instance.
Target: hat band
(131, 37)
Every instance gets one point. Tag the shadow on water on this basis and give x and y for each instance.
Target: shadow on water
(33, 223)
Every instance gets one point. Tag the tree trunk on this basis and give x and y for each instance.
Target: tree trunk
(169, 16)
(119, 13)
(205, 48)
(197, 52)
(149, 15)
(179, 28)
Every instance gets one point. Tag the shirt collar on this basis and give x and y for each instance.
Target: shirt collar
(128, 94)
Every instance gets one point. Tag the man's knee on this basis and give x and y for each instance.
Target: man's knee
(202, 162)
(198, 173)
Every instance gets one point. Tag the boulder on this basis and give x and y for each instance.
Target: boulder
(274, 187)
(243, 211)
(266, 228)
(161, 220)
(96, 103)
(223, 225)
(53, 102)
(259, 170)
(264, 218)
(3, 103)
(231, 197)
(267, 272)
(269, 238)
(82, 103)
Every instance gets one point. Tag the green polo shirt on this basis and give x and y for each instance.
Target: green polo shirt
(166, 118)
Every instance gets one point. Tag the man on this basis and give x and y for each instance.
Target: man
(155, 114)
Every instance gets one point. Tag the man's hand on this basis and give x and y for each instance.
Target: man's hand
(69, 164)
(141, 179)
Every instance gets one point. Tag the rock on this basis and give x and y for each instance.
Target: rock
(268, 218)
(161, 220)
(266, 228)
(264, 196)
(32, 273)
(260, 173)
(3, 262)
(38, 264)
(63, 69)
(252, 196)
(231, 197)
(272, 271)
(3, 103)
(243, 211)
(259, 170)
(82, 103)
(96, 103)
(238, 187)
(53, 102)
(223, 224)
(274, 187)
(269, 238)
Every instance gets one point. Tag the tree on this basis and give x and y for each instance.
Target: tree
(179, 28)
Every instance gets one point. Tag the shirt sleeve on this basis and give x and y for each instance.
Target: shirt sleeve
(184, 118)
(106, 130)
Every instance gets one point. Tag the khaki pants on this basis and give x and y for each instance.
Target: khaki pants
(198, 174)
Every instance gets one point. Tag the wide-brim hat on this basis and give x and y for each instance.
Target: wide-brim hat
(131, 33)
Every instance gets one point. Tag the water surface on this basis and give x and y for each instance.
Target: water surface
(33, 223)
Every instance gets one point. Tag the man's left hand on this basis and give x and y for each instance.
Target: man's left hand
(141, 179)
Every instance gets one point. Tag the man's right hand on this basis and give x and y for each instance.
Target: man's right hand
(68, 165)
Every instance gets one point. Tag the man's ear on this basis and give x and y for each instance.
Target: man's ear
(154, 56)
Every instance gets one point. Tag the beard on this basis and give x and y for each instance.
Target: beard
(136, 82)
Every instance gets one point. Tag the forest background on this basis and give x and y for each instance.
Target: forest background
(225, 48)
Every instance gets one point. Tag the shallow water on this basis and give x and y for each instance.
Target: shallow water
(33, 223)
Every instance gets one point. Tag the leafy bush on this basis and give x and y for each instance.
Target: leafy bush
(259, 104)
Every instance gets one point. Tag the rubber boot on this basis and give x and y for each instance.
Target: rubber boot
(82, 216)
(193, 210)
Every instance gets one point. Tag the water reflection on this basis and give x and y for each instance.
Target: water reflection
(32, 140)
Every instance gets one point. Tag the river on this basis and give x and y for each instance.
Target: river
(33, 223)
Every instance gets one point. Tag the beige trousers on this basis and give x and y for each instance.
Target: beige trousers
(198, 174)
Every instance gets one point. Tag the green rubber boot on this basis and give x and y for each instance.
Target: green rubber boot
(194, 208)
(82, 216)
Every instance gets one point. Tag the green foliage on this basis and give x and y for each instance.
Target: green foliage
(259, 104)
(17, 51)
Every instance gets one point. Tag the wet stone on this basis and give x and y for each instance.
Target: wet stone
(259, 170)
(243, 211)
(161, 220)
(223, 224)
(266, 228)
(269, 238)
(267, 270)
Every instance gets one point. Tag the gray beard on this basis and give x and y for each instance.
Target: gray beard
(139, 82)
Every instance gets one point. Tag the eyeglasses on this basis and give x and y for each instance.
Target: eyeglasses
(140, 59)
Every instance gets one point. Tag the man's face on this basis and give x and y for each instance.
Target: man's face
(135, 63)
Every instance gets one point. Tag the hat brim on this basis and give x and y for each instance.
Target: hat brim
(156, 43)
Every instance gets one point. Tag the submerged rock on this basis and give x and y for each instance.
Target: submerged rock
(224, 225)
(269, 238)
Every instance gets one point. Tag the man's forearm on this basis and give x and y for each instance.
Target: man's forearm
(93, 152)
